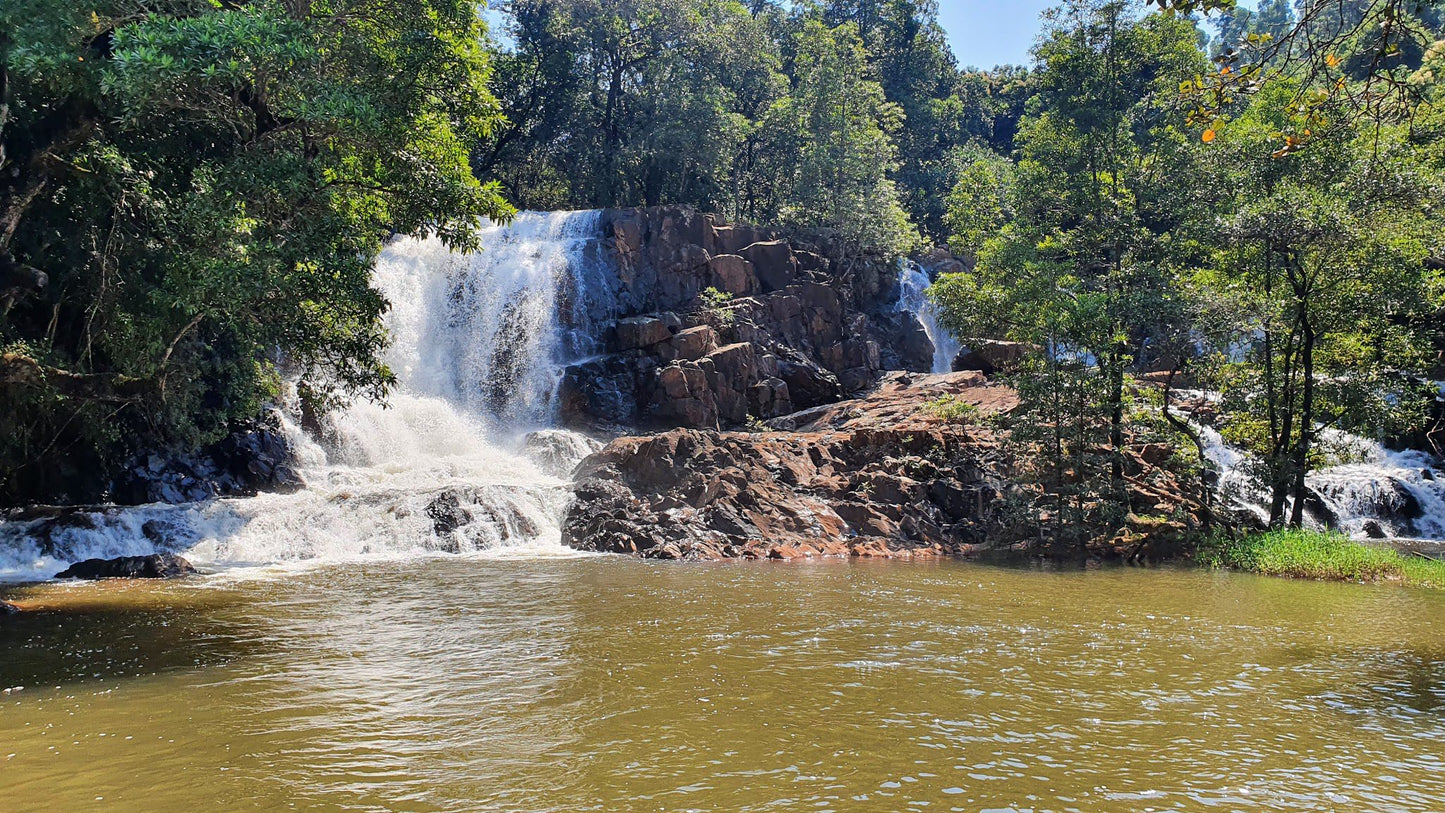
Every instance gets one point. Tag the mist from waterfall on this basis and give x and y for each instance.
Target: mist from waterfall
(913, 284)
(463, 458)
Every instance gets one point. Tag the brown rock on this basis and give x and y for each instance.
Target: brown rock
(734, 274)
(773, 262)
(641, 331)
(991, 357)
(694, 343)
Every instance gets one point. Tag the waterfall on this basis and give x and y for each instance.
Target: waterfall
(1378, 493)
(914, 282)
(462, 459)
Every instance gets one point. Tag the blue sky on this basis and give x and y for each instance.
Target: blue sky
(985, 33)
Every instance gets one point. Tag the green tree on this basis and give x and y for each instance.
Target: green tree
(194, 193)
(1324, 278)
(833, 143)
(1083, 266)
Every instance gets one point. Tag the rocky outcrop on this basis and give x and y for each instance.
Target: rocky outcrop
(716, 324)
(256, 457)
(8, 609)
(905, 470)
(873, 477)
(991, 356)
(156, 566)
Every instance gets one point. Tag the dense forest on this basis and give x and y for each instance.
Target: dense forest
(192, 193)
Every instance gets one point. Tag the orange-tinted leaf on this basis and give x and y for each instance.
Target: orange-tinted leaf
(1208, 136)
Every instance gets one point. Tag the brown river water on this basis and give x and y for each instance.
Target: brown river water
(605, 684)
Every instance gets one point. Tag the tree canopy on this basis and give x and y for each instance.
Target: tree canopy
(193, 193)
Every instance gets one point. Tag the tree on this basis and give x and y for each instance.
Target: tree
(634, 103)
(1325, 277)
(195, 193)
(1081, 268)
(833, 142)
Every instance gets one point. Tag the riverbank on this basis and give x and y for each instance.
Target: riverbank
(1320, 556)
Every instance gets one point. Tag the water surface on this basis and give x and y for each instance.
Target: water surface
(610, 684)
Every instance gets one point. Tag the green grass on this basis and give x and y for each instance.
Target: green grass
(951, 409)
(1322, 556)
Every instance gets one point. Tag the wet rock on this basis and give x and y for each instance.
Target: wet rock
(256, 457)
(155, 566)
(558, 452)
(447, 514)
(8, 609)
(1374, 530)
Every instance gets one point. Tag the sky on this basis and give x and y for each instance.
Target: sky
(985, 33)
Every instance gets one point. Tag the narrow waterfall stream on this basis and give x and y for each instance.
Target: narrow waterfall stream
(914, 282)
(463, 458)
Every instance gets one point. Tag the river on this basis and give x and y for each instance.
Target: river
(609, 684)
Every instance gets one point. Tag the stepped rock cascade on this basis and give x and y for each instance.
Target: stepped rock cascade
(463, 458)
(1380, 493)
(914, 282)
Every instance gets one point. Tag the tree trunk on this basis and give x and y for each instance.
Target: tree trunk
(1307, 414)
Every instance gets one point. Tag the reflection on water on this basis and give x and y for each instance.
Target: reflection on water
(608, 684)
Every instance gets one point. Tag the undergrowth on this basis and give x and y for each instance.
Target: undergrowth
(1305, 554)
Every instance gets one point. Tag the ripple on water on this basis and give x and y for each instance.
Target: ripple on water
(605, 684)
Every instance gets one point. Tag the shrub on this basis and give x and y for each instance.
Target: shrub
(952, 409)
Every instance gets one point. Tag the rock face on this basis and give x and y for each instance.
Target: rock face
(157, 566)
(256, 457)
(991, 357)
(887, 474)
(796, 322)
(872, 477)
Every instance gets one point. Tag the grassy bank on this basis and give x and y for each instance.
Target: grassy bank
(1323, 556)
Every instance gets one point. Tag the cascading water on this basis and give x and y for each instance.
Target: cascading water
(914, 283)
(460, 460)
(1380, 493)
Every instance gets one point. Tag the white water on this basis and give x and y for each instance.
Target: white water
(914, 283)
(1379, 491)
(462, 458)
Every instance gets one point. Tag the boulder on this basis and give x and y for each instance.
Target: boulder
(694, 343)
(8, 609)
(155, 566)
(991, 357)
(809, 385)
(773, 262)
(733, 274)
(637, 332)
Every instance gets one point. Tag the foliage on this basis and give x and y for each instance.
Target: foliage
(762, 112)
(951, 409)
(1301, 284)
(716, 307)
(1325, 556)
(1076, 241)
(203, 187)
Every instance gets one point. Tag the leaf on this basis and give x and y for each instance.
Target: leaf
(1332, 60)
(1208, 136)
